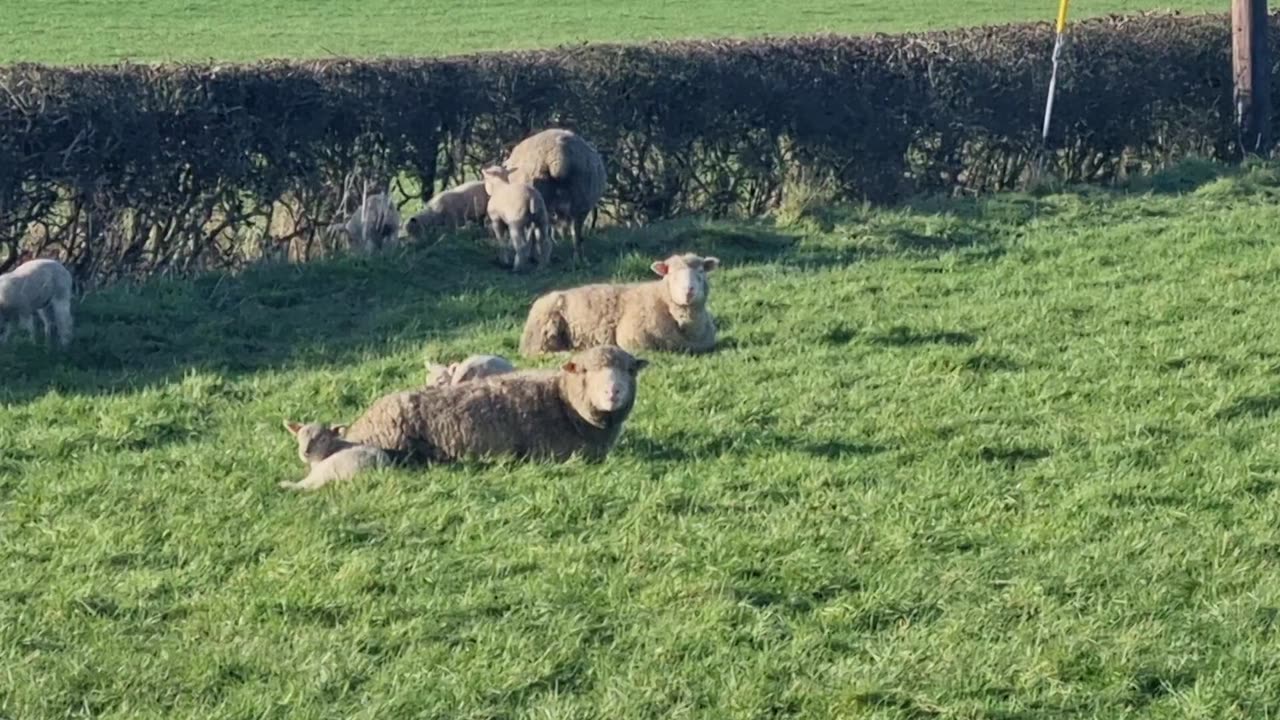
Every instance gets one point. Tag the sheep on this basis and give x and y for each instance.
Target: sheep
(473, 368)
(518, 209)
(329, 457)
(578, 409)
(669, 314)
(453, 208)
(37, 287)
(568, 172)
(375, 225)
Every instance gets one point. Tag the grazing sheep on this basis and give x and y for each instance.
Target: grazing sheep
(329, 457)
(568, 172)
(375, 225)
(37, 287)
(453, 208)
(528, 414)
(669, 314)
(473, 368)
(518, 209)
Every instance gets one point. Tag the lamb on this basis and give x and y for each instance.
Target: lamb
(473, 368)
(375, 225)
(518, 209)
(579, 410)
(669, 314)
(329, 457)
(567, 171)
(37, 287)
(453, 208)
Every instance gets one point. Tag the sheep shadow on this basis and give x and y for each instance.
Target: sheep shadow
(319, 314)
(682, 446)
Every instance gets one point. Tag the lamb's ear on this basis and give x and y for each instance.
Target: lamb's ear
(570, 367)
(660, 268)
(292, 427)
(641, 364)
(339, 430)
(710, 263)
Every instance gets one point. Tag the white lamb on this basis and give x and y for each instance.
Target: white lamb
(329, 457)
(473, 368)
(37, 287)
(375, 225)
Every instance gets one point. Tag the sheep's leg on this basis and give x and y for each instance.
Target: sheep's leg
(61, 311)
(46, 320)
(544, 245)
(6, 327)
(28, 323)
(575, 230)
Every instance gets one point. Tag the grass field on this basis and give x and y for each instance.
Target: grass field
(76, 31)
(1008, 458)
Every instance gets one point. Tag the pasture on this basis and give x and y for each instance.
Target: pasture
(1013, 457)
(80, 31)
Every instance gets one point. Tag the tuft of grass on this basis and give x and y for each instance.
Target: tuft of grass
(94, 31)
(1002, 457)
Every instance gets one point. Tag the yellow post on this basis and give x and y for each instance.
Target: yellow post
(1062, 15)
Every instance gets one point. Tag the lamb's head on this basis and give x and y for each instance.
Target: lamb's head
(440, 375)
(496, 176)
(601, 383)
(315, 441)
(686, 277)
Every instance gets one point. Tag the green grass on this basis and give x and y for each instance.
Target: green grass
(78, 31)
(1008, 458)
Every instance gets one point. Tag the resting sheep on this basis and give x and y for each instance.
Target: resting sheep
(528, 414)
(566, 170)
(329, 457)
(473, 368)
(375, 225)
(37, 287)
(669, 314)
(517, 209)
(453, 208)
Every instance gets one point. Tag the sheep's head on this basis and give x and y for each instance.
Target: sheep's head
(315, 441)
(440, 375)
(420, 224)
(604, 381)
(686, 277)
(494, 176)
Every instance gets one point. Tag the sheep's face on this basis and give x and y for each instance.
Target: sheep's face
(608, 377)
(686, 277)
(315, 441)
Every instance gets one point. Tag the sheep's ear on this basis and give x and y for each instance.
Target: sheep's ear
(292, 427)
(570, 367)
(710, 263)
(641, 364)
(660, 268)
(339, 430)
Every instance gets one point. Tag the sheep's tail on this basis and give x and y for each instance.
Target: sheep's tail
(543, 332)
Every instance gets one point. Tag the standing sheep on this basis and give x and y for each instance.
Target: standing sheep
(517, 209)
(529, 414)
(568, 172)
(37, 287)
(669, 314)
(453, 208)
(329, 457)
(375, 225)
(473, 368)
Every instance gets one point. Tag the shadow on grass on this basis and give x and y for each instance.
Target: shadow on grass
(686, 446)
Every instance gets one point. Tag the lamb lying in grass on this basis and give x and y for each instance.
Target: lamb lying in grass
(473, 368)
(516, 210)
(530, 414)
(329, 457)
(37, 287)
(454, 208)
(669, 314)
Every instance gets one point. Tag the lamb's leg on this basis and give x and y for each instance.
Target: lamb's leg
(62, 318)
(519, 234)
(499, 229)
(316, 479)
